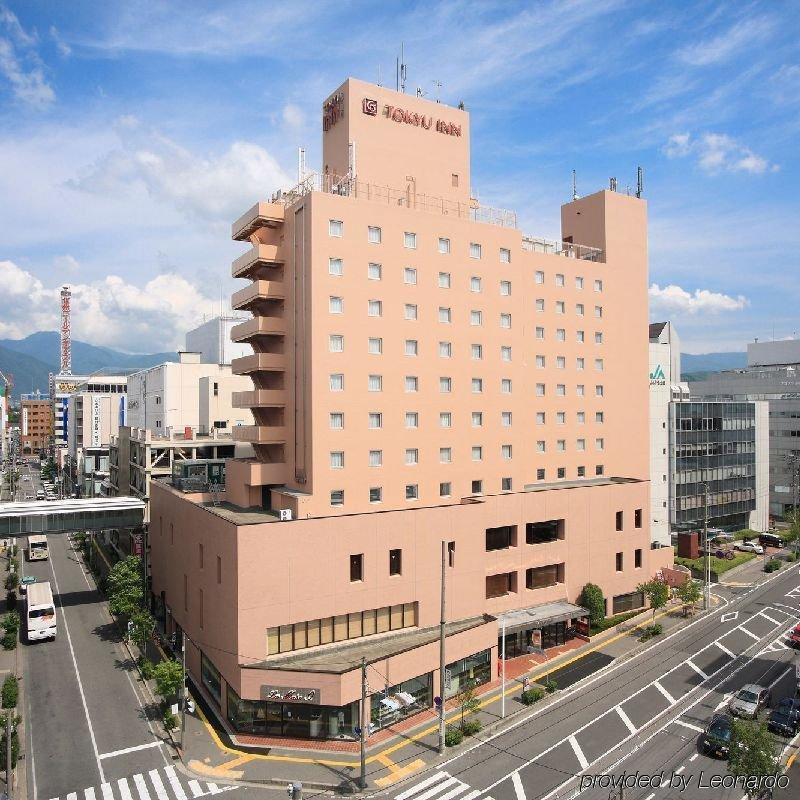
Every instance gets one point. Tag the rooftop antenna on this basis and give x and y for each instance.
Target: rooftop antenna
(574, 185)
(612, 184)
(402, 69)
(301, 164)
(420, 93)
(379, 75)
(438, 85)
(639, 182)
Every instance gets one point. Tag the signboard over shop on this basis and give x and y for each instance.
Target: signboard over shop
(286, 694)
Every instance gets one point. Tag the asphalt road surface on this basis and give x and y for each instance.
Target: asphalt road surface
(643, 715)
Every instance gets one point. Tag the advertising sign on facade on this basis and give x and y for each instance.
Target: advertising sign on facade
(285, 694)
(95, 421)
(24, 421)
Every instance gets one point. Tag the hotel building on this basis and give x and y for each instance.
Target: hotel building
(423, 373)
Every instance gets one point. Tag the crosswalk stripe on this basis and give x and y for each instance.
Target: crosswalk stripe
(749, 633)
(472, 795)
(725, 650)
(437, 776)
(124, 789)
(214, 789)
(460, 789)
(196, 790)
(108, 794)
(175, 783)
(71, 796)
(576, 748)
(89, 793)
(766, 616)
(158, 784)
(688, 725)
(439, 787)
(692, 665)
(141, 786)
(669, 698)
(626, 720)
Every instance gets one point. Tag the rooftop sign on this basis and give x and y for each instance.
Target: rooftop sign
(404, 116)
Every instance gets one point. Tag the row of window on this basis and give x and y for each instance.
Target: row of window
(446, 419)
(535, 578)
(476, 486)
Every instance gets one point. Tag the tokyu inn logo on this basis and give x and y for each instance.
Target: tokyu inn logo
(657, 377)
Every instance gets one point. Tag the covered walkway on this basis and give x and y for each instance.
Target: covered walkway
(61, 516)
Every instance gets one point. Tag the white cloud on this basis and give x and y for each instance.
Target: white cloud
(110, 311)
(293, 115)
(717, 152)
(674, 299)
(63, 48)
(732, 42)
(20, 65)
(66, 263)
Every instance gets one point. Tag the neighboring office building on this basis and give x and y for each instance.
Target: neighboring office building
(514, 432)
(36, 425)
(61, 387)
(772, 374)
(186, 394)
(212, 340)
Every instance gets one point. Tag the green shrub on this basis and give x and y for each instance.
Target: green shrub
(453, 736)
(470, 727)
(14, 748)
(10, 691)
(11, 621)
(592, 599)
(657, 629)
(9, 641)
(773, 565)
(790, 557)
(170, 721)
(550, 685)
(11, 600)
(12, 581)
(531, 696)
(147, 668)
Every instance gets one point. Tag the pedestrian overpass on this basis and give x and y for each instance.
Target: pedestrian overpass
(61, 516)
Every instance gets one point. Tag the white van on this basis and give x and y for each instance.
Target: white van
(37, 547)
(40, 612)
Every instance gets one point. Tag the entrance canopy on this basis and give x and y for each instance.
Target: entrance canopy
(539, 616)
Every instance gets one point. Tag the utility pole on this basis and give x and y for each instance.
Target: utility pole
(503, 665)
(183, 691)
(364, 722)
(706, 553)
(9, 771)
(441, 650)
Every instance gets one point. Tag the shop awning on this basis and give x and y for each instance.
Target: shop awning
(539, 616)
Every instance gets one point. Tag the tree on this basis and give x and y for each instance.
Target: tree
(141, 627)
(689, 593)
(124, 585)
(169, 678)
(467, 699)
(656, 591)
(592, 599)
(752, 752)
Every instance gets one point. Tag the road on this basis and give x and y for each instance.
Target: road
(644, 715)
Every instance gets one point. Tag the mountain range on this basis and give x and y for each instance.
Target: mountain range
(32, 359)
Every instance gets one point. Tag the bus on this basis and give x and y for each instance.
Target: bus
(37, 548)
(40, 612)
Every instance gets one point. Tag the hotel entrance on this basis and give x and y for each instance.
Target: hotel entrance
(540, 628)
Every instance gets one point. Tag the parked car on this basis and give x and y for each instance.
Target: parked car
(770, 540)
(720, 537)
(785, 719)
(749, 700)
(794, 636)
(750, 547)
(716, 740)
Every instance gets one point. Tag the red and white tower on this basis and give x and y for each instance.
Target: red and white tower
(66, 335)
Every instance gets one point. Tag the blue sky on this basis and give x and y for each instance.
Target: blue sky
(132, 134)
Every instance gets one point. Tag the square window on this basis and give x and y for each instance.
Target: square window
(540, 418)
(376, 458)
(578, 282)
(412, 383)
(412, 456)
(412, 419)
(444, 246)
(505, 353)
(335, 267)
(375, 346)
(540, 304)
(505, 288)
(337, 382)
(561, 335)
(539, 332)
(620, 562)
(375, 419)
(541, 446)
(505, 419)
(375, 383)
(477, 351)
(598, 285)
(445, 385)
(375, 308)
(598, 470)
(598, 311)
(474, 284)
(412, 347)
(581, 472)
(579, 336)
(374, 272)
(505, 484)
(579, 309)
(444, 489)
(598, 417)
(337, 420)
(445, 419)
(540, 389)
(580, 363)
(505, 451)
(475, 317)
(410, 276)
(373, 234)
(337, 460)
(375, 494)
(540, 362)
(335, 227)
(395, 562)
(337, 497)
(598, 364)
(581, 417)
(410, 240)
(598, 390)
(410, 311)
(559, 279)
(474, 250)
(598, 337)
(445, 455)
(561, 389)
(561, 445)
(560, 305)
(477, 385)
(412, 491)
(444, 280)
(538, 277)
(477, 487)
(580, 390)
(445, 349)
(445, 315)
(540, 474)
(505, 385)
(562, 472)
(357, 568)
(336, 343)
(561, 417)
(561, 362)
(505, 320)
(599, 444)
(477, 419)
(505, 255)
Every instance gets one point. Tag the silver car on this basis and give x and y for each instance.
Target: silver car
(749, 700)
(750, 547)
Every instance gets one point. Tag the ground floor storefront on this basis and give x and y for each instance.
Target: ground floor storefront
(540, 628)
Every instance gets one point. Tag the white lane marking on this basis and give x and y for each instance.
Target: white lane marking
(124, 789)
(692, 665)
(729, 617)
(771, 619)
(70, 796)
(80, 684)
(627, 720)
(725, 700)
(688, 725)
(680, 769)
(141, 786)
(790, 668)
(518, 788)
(131, 749)
(668, 697)
(176, 784)
(105, 788)
(472, 795)
(158, 784)
(724, 649)
(197, 791)
(692, 758)
(89, 793)
(578, 752)
(749, 633)
(650, 796)
(437, 776)
(462, 787)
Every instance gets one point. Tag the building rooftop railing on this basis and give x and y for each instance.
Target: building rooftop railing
(567, 249)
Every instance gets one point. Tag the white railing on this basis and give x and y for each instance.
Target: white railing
(567, 249)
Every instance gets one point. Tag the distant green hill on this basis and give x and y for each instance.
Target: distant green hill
(712, 362)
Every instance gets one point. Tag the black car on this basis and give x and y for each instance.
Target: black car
(785, 719)
(717, 736)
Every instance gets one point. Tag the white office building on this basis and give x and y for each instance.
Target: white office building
(212, 340)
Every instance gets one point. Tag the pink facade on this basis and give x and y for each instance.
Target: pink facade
(422, 372)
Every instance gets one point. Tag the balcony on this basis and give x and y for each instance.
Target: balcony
(261, 215)
(262, 255)
(259, 362)
(257, 292)
(260, 434)
(260, 398)
(581, 252)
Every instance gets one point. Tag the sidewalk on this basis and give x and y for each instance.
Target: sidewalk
(411, 745)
